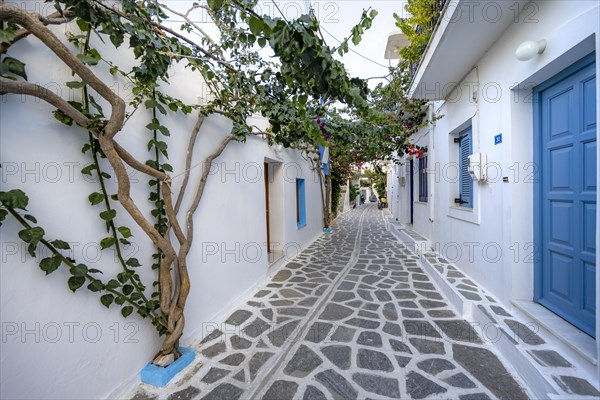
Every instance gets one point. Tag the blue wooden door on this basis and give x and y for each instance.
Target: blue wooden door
(566, 194)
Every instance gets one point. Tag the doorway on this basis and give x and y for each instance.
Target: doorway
(565, 206)
(274, 221)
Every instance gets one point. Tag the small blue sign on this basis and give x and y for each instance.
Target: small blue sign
(324, 161)
(498, 139)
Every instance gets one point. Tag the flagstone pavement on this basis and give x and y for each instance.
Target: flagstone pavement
(353, 317)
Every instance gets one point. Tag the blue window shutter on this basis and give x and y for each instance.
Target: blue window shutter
(423, 192)
(300, 203)
(465, 183)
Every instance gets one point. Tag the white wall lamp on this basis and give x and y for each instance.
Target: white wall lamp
(529, 49)
(278, 147)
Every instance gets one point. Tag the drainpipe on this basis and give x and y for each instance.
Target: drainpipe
(430, 164)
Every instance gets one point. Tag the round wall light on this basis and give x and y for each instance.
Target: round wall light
(529, 49)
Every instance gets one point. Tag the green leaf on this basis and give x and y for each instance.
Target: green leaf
(161, 109)
(143, 312)
(133, 262)
(116, 37)
(30, 218)
(50, 264)
(87, 170)
(160, 145)
(7, 35)
(135, 296)
(154, 125)
(32, 235)
(75, 282)
(95, 105)
(62, 117)
(83, 24)
(61, 245)
(15, 198)
(126, 311)
(79, 270)
(96, 198)
(262, 42)
(107, 242)
(108, 215)
(125, 231)
(164, 130)
(127, 289)
(13, 66)
(255, 25)
(87, 59)
(75, 84)
(215, 5)
(91, 58)
(123, 277)
(120, 300)
(95, 286)
(107, 300)
(3, 214)
(113, 284)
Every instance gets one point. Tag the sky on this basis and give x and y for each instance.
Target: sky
(337, 17)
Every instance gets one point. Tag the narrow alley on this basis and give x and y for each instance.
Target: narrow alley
(354, 316)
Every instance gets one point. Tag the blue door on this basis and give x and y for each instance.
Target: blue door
(565, 118)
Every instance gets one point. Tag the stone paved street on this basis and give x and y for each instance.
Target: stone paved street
(353, 317)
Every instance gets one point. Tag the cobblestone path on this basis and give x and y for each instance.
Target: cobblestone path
(353, 317)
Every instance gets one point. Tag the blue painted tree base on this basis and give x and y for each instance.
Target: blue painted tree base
(327, 230)
(160, 376)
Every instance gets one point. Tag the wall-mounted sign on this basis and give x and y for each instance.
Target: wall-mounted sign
(498, 139)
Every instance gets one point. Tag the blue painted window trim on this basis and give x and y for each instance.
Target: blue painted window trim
(423, 189)
(465, 183)
(300, 203)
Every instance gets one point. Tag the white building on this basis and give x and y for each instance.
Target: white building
(526, 227)
(64, 345)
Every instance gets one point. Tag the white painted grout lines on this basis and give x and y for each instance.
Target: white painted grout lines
(259, 384)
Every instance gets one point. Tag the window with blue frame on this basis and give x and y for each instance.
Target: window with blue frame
(300, 203)
(423, 191)
(465, 183)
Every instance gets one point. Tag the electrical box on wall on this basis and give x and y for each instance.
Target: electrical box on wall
(478, 167)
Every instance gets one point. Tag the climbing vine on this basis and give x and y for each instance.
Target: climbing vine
(304, 91)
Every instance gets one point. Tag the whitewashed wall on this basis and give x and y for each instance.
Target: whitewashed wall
(493, 242)
(56, 344)
(502, 216)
